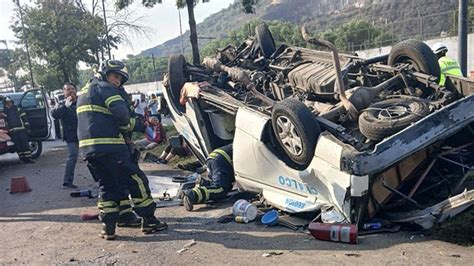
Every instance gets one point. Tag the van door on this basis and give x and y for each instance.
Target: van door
(34, 104)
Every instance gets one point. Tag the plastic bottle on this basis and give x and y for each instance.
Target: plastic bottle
(372, 226)
(82, 193)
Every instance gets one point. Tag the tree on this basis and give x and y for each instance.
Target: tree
(248, 7)
(12, 62)
(60, 35)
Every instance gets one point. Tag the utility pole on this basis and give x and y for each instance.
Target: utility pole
(26, 44)
(154, 67)
(462, 36)
(180, 32)
(106, 29)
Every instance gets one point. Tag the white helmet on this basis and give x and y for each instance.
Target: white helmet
(439, 47)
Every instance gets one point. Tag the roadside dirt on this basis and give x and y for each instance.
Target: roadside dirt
(43, 226)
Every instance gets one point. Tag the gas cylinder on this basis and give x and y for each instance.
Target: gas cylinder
(336, 232)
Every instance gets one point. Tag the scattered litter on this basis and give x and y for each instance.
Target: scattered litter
(72, 259)
(271, 253)
(331, 215)
(270, 218)
(82, 193)
(187, 246)
(46, 228)
(241, 219)
(352, 255)
(245, 208)
(412, 237)
(455, 255)
(372, 226)
(134, 251)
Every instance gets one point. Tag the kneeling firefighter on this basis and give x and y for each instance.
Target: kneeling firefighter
(220, 179)
(102, 114)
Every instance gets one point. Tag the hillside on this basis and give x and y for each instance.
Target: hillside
(402, 18)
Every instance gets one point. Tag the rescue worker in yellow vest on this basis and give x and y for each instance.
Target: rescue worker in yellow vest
(219, 182)
(102, 114)
(18, 129)
(447, 65)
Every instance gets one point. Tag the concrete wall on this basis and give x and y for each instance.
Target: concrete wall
(451, 42)
(146, 88)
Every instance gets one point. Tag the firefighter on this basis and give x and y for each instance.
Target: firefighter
(447, 65)
(220, 179)
(102, 115)
(19, 128)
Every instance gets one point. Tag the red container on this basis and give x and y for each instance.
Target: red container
(336, 232)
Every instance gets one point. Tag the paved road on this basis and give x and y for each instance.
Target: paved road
(43, 226)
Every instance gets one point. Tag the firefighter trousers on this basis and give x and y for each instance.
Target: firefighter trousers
(203, 194)
(119, 176)
(21, 140)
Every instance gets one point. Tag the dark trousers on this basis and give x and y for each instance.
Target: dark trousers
(119, 176)
(21, 140)
(73, 151)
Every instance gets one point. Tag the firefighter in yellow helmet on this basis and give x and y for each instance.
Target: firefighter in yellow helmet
(102, 115)
(448, 66)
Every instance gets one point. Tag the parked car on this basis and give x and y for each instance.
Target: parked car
(34, 103)
(316, 129)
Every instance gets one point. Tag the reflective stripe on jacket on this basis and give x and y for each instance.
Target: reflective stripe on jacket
(101, 112)
(448, 66)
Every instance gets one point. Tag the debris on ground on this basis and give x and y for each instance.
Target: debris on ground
(352, 255)
(335, 232)
(271, 253)
(187, 246)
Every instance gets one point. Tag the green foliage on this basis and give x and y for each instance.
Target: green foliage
(12, 61)
(140, 69)
(357, 34)
(59, 35)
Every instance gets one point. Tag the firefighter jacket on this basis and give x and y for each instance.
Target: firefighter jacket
(220, 166)
(16, 119)
(448, 66)
(102, 114)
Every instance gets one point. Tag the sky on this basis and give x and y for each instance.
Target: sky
(162, 21)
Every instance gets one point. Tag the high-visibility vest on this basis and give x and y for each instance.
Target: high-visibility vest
(448, 66)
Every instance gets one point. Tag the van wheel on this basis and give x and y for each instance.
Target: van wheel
(177, 78)
(296, 130)
(265, 40)
(416, 53)
(388, 117)
(36, 148)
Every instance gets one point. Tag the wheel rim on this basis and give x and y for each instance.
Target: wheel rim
(289, 136)
(33, 147)
(413, 65)
(393, 112)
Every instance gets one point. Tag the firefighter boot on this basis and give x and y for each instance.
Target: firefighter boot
(189, 200)
(108, 231)
(129, 219)
(151, 225)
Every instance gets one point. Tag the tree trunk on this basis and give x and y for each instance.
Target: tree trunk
(192, 29)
